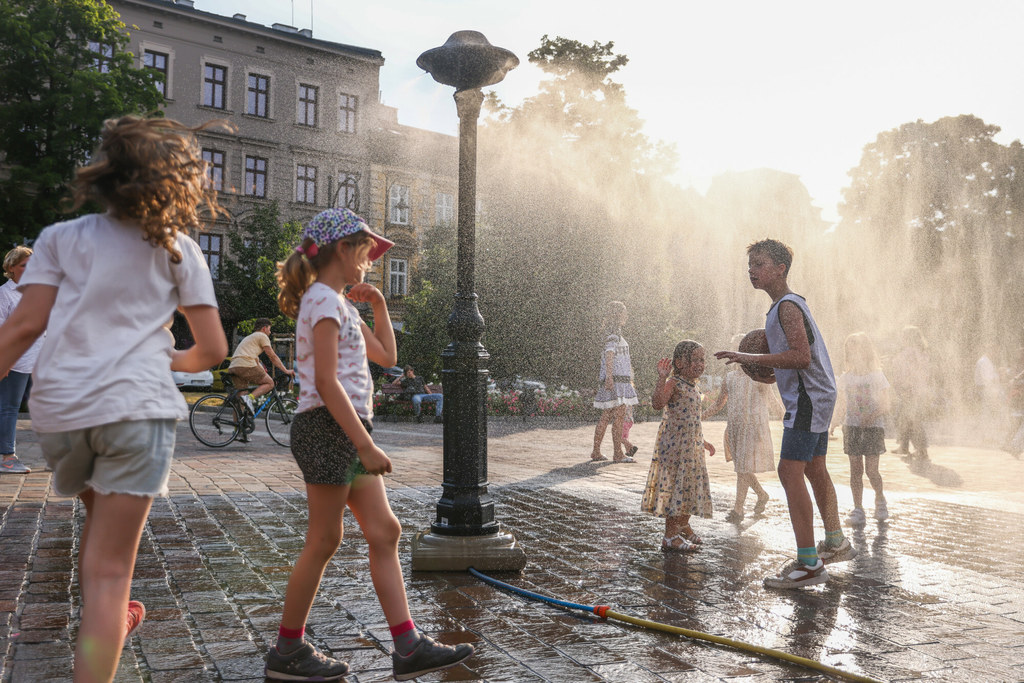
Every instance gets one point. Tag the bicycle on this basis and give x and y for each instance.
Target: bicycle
(217, 420)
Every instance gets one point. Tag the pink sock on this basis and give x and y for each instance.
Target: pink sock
(405, 636)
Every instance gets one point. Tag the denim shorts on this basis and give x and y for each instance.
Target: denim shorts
(803, 446)
(131, 457)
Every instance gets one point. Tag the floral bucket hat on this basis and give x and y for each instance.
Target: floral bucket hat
(333, 224)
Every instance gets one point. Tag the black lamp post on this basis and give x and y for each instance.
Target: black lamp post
(465, 533)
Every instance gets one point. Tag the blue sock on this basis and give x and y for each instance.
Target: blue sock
(807, 556)
(834, 538)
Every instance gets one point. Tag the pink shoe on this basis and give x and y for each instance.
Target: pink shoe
(136, 615)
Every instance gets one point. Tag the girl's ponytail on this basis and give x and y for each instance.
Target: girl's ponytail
(294, 276)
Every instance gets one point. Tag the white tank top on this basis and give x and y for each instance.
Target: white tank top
(809, 395)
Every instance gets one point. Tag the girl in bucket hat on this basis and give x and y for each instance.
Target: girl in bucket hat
(332, 445)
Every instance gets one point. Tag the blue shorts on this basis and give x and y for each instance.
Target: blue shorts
(803, 446)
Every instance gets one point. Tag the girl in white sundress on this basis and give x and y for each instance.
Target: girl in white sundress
(615, 390)
(748, 438)
(677, 484)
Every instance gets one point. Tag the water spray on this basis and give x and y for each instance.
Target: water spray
(604, 612)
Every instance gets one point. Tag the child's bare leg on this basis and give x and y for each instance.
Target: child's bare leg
(618, 417)
(871, 465)
(824, 493)
(742, 483)
(801, 512)
(108, 560)
(857, 479)
(369, 504)
(323, 536)
(599, 430)
(674, 526)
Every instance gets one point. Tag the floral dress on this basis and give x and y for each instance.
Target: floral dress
(677, 483)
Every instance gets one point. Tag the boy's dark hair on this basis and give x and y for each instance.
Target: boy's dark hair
(775, 250)
(262, 322)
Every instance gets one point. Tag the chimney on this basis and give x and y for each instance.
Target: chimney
(239, 16)
(285, 28)
(307, 32)
(186, 3)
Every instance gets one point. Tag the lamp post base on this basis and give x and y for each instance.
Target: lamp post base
(494, 552)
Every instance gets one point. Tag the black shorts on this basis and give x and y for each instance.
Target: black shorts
(863, 440)
(322, 450)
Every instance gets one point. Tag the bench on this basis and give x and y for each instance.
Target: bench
(396, 396)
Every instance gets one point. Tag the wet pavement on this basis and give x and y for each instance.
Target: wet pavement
(936, 593)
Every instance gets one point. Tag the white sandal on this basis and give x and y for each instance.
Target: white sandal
(668, 544)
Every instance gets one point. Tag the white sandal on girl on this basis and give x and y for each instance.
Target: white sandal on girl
(668, 544)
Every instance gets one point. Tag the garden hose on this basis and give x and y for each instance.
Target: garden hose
(604, 612)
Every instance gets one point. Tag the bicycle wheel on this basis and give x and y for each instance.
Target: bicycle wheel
(214, 421)
(279, 418)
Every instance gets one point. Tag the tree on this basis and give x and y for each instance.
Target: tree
(249, 274)
(427, 310)
(932, 228)
(63, 71)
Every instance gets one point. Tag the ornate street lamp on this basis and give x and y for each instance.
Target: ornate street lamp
(465, 533)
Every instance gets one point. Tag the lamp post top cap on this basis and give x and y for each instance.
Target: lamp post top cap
(467, 60)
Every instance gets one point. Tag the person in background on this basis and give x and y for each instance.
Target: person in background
(861, 408)
(748, 436)
(911, 384)
(416, 389)
(615, 390)
(246, 366)
(14, 385)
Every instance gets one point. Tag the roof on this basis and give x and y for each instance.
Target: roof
(277, 31)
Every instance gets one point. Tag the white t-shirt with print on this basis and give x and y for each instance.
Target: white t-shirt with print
(863, 395)
(320, 302)
(9, 298)
(107, 353)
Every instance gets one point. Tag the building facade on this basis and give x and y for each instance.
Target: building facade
(310, 131)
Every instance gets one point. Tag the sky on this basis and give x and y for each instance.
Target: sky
(736, 85)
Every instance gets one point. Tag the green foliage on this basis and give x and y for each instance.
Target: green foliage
(54, 99)
(278, 324)
(249, 274)
(427, 310)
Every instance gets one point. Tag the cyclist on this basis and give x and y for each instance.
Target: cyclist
(245, 364)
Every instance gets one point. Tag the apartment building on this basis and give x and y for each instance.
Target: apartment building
(310, 130)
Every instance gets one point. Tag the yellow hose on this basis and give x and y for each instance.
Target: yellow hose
(740, 645)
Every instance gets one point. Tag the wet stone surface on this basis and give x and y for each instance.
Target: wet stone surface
(937, 591)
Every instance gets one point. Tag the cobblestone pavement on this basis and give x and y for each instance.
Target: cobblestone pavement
(937, 591)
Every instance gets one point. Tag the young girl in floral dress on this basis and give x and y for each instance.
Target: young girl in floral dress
(677, 484)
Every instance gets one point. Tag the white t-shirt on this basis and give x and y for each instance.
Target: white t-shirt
(319, 302)
(9, 298)
(863, 396)
(107, 353)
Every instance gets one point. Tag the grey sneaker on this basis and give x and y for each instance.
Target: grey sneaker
(305, 664)
(881, 510)
(428, 656)
(12, 465)
(796, 574)
(856, 517)
(841, 553)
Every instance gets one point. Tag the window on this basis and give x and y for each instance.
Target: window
(398, 270)
(210, 246)
(348, 191)
(157, 61)
(398, 204)
(444, 209)
(258, 96)
(104, 54)
(214, 167)
(347, 115)
(215, 79)
(306, 114)
(255, 176)
(305, 184)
